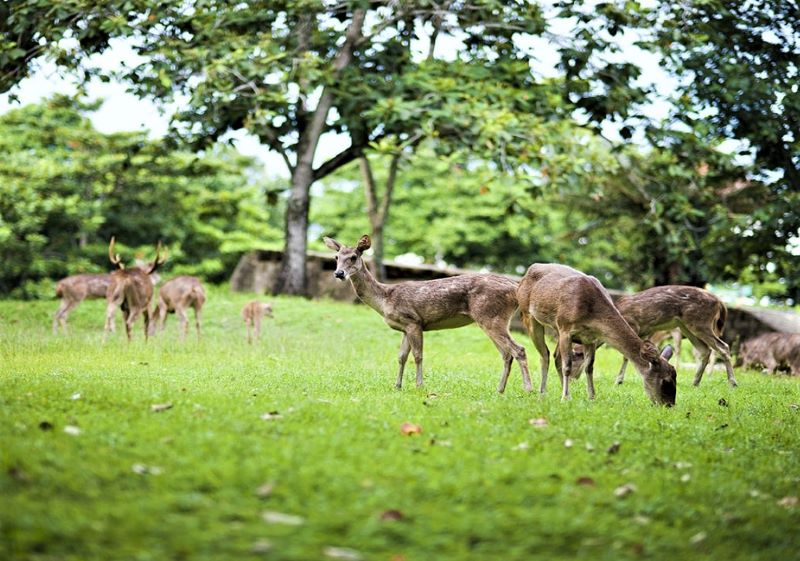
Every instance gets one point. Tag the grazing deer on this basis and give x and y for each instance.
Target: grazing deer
(580, 310)
(773, 351)
(177, 296)
(252, 313)
(413, 307)
(699, 315)
(131, 290)
(74, 290)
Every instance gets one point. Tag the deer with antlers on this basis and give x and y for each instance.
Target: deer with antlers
(580, 310)
(130, 290)
(177, 296)
(413, 307)
(75, 289)
(699, 315)
(252, 314)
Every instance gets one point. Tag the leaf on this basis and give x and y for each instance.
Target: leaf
(568, 443)
(271, 416)
(699, 537)
(342, 553)
(75, 396)
(261, 546)
(624, 490)
(46, 425)
(614, 448)
(541, 422)
(788, 502)
(159, 407)
(265, 489)
(72, 430)
(391, 515)
(585, 481)
(410, 428)
(142, 469)
(273, 517)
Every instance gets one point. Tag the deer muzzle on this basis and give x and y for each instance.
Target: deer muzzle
(339, 274)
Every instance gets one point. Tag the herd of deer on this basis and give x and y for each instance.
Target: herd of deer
(131, 290)
(574, 305)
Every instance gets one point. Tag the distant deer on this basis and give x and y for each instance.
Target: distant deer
(699, 315)
(74, 290)
(177, 296)
(413, 307)
(252, 313)
(773, 351)
(131, 290)
(580, 310)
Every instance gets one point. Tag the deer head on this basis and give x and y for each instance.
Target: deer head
(348, 259)
(660, 380)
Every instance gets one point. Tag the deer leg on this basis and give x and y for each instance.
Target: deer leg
(197, 313)
(589, 351)
(249, 325)
(544, 355)
(405, 347)
(565, 350)
(257, 322)
(127, 318)
(722, 349)
(57, 318)
(704, 351)
(677, 337)
(621, 375)
(184, 322)
(497, 331)
(110, 308)
(414, 334)
(147, 320)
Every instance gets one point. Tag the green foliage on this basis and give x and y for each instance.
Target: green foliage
(480, 482)
(65, 189)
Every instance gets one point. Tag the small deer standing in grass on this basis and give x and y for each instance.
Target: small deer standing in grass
(413, 307)
(698, 314)
(177, 296)
(130, 290)
(580, 310)
(773, 351)
(74, 290)
(252, 313)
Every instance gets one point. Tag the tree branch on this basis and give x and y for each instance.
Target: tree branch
(344, 157)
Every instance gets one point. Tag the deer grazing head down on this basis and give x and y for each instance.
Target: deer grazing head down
(660, 380)
(348, 259)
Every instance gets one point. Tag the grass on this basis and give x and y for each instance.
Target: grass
(480, 482)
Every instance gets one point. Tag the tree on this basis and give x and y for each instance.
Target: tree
(65, 189)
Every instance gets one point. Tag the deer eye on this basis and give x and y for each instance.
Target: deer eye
(353, 258)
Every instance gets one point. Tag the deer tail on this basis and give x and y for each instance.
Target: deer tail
(59, 290)
(721, 319)
(526, 322)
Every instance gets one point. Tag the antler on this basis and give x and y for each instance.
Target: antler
(158, 260)
(115, 259)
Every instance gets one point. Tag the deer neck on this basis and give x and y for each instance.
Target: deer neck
(368, 289)
(623, 338)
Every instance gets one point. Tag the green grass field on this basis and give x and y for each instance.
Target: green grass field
(711, 475)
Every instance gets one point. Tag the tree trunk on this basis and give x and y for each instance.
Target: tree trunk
(292, 279)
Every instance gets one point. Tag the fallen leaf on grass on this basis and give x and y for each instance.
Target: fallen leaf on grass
(16, 472)
(391, 515)
(794, 407)
(410, 428)
(261, 546)
(521, 446)
(75, 396)
(699, 537)
(614, 448)
(589, 447)
(682, 465)
(624, 490)
(445, 443)
(46, 425)
(568, 443)
(272, 517)
(685, 478)
(585, 481)
(142, 469)
(159, 407)
(72, 430)
(270, 416)
(541, 422)
(342, 553)
(788, 502)
(265, 490)
(641, 520)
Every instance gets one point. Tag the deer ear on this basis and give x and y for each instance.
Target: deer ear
(666, 353)
(332, 244)
(364, 244)
(649, 352)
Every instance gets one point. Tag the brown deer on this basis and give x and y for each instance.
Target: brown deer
(131, 290)
(580, 310)
(252, 313)
(413, 307)
(75, 289)
(699, 315)
(177, 296)
(773, 351)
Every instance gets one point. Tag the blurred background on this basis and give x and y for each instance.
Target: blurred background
(643, 142)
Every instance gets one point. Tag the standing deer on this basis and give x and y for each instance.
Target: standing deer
(252, 313)
(413, 307)
(74, 290)
(699, 315)
(774, 351)
(580, 310)
(131, 290)
(177, 296)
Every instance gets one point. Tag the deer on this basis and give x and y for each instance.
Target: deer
(413, 307)
(131, 290)
(75, 289)
(773, 351)
(176, 296)
(580, 310)
(252, 313)
(699, 315)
